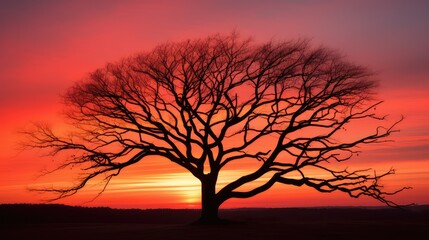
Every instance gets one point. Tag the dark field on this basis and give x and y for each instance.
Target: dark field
(63, 222)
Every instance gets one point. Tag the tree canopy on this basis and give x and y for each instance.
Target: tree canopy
(283, 106)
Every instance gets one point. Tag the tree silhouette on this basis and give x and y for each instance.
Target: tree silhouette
(281, 107)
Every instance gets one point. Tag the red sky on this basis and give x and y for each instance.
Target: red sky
(46, 45)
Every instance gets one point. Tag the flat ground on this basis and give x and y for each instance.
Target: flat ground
(63, 222)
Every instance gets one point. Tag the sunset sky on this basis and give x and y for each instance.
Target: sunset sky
(46, 45)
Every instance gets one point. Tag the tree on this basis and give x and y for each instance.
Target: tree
(282, 107)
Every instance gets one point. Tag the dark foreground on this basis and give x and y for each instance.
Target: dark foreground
(64, 222)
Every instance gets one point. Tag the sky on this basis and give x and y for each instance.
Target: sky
(45, 46)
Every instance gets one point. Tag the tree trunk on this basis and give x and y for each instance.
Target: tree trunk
(209, 202)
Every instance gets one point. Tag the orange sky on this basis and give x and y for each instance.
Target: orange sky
(46, 45)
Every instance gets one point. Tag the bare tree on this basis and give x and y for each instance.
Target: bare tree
(281, 107)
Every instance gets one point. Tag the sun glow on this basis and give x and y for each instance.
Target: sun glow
(181, 185)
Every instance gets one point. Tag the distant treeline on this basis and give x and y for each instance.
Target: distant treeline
(56, 213)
